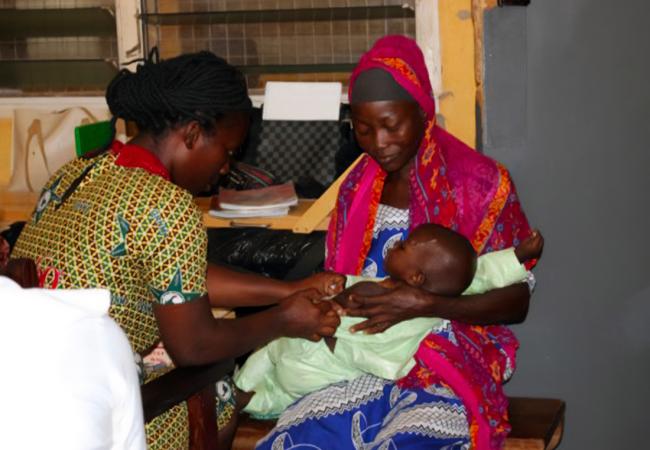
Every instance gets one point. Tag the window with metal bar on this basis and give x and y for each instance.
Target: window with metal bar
(57, 46)
(311, 40)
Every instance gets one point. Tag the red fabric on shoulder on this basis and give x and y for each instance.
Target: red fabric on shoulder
(131, 155)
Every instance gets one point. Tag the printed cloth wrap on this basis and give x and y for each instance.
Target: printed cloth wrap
(457, 187)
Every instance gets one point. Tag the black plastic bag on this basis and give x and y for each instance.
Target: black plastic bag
(276, 253)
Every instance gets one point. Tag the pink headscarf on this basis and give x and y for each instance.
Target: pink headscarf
(408, 69)
(451, 184)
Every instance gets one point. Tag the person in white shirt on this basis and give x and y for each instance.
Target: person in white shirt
(69, 379)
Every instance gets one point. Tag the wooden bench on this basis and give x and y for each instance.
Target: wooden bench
(196, 385)
(537, 424)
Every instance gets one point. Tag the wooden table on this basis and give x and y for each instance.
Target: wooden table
(287, 222)
(307, 216)
(17, 206)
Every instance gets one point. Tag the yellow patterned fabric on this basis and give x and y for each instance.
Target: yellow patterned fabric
(131, 232)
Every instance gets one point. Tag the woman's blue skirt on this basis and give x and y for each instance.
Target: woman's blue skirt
(370, 413)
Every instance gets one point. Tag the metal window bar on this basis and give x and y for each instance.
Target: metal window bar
(316, 40)
(56, 46)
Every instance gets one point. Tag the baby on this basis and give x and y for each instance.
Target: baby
(433, 258)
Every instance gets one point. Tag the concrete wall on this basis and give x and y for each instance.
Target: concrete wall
(568, 111)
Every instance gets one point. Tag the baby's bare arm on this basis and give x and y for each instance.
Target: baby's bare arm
(345, 298)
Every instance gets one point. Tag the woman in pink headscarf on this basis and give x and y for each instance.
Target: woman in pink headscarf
(414, 172)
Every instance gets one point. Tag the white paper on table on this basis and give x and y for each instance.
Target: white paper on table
(241, 214)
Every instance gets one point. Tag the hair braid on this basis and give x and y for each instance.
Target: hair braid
(161, 94)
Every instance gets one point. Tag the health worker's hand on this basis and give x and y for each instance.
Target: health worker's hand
(326, 283)
(305, 316)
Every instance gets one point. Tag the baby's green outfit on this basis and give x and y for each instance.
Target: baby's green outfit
(288, 368)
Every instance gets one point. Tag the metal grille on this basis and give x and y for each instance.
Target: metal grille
(55, 46)
(277, 39)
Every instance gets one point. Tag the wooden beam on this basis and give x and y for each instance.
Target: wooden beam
(324, 205)
(427, 35)
(457, 43)
(478, 13)
(6, 147)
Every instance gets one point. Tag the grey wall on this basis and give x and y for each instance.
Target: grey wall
(568, 111)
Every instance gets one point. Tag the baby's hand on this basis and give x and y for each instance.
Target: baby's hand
(326, 283)
(347, 298)
(530, 248)
(343, 301)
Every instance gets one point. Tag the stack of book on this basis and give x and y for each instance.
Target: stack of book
(270, 201)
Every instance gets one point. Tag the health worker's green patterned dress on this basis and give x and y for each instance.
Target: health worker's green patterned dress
(132, 232)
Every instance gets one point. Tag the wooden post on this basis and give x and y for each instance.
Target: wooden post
(323, 206)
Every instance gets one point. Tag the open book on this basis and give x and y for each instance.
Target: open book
(270, 201)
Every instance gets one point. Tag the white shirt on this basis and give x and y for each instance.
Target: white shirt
(68, 377)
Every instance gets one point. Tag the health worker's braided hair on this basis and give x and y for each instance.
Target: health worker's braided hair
(162, 94)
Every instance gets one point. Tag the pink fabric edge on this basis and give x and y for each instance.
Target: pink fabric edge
(460, 387)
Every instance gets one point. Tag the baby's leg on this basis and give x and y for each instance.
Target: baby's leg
(242, 398)
(331, 343)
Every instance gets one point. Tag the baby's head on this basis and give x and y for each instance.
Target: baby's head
(435, 258)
